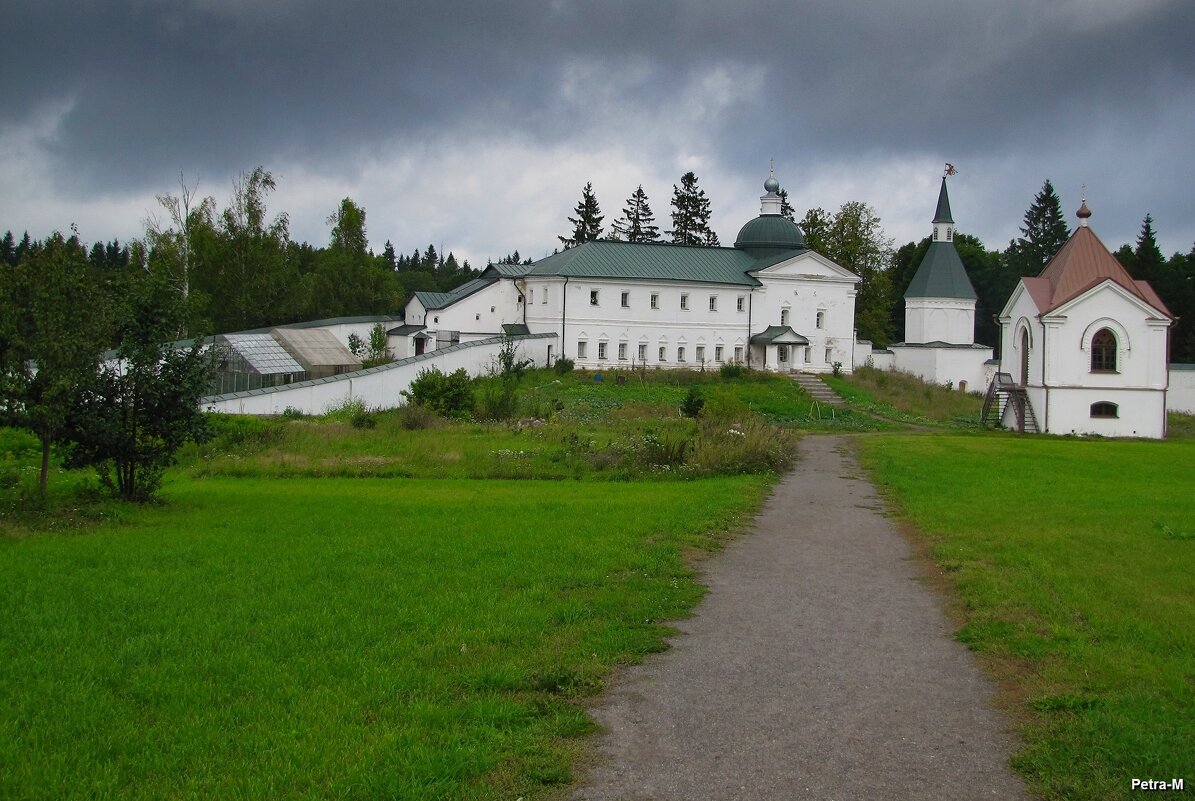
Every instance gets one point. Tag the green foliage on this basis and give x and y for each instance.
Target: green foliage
(139, 409)
(637, 223)
(507, 363)
(1043, 234)
(587, 225)
(901, 396)
(691, 214)
(356, 346)
(449, 395)
(854, 239)
(564, 365)
(732, 370)
(691, 405)
(378, 348)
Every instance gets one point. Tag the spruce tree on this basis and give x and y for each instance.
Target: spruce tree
(786, 209)
(1147, 257)
(587, 225)
(637, 223)
(691, 214)
(1044, 233)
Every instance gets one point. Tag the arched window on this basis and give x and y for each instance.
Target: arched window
(1103, 352)
(1105, 409)
(784, 316)
(821, 319)
(1024, 357)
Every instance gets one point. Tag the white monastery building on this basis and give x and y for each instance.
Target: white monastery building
(769, 302)
(1085, 346)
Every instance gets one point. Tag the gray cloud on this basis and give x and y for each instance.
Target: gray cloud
(1016, 91)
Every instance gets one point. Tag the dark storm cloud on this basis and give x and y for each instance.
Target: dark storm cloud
(216, 86)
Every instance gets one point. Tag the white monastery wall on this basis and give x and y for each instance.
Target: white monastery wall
(1181, 395)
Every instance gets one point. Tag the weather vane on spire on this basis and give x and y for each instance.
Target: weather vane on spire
(950, 170)
(772, 168)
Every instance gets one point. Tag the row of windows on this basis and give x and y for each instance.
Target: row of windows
(782, 354)
(740, 302)
(699, 352)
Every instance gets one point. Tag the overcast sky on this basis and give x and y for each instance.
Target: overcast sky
(473, 124)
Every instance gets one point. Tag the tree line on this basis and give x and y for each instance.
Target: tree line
(854, 238)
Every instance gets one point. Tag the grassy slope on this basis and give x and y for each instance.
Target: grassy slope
(902, 396)
(336, 638)
(1073, 561)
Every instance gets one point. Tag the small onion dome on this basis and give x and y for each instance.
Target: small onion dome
(1084, 212)
(771, 184)
(769, 235)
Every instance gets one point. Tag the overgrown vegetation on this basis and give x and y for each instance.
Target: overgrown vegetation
(904, 397)
(1072, 561)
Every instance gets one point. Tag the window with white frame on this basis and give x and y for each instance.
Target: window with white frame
(717, 353)
(622, 351)
(593, 297)
(782, 353)
(740, 303)
(684, 301)
(642, 351)
(626, 300)
(545, 300)
(738, 353)
(663, 353)
(700, 354)
(655, 300)
(531, 296)
(680, 353)
(821, 319)
(808, 354)
(829, 355)
(713, 302)
(582, 348)
(601, 350)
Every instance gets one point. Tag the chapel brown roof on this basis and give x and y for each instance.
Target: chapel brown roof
(1082, 264)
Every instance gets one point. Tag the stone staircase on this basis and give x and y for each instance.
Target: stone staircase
(817, 389)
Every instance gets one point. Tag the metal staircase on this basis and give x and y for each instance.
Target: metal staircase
(1002, 393)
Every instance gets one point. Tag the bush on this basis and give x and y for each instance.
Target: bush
(450, 395)
(563, 366)
(733, 370)
(413, 417)
(496, 399)
(753, 447)
(691, 405)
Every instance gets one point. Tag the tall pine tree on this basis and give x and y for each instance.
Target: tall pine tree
(637, 223)
(1043, 234)
(1147, 257)
(691, 214)
(587, 225)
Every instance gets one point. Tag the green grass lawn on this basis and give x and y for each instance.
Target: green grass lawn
(337, 638)
(1074, 563)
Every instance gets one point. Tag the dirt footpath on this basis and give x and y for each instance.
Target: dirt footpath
(817, 667)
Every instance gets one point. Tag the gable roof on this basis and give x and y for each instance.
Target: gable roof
(781, 334)
(651, 261)
(440, 300)
(941, 274)
(1080, 265)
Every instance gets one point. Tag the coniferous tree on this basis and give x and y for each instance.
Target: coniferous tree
(637, 223)
(690, 214)
(388, 256)
(786, 209)
(1045, 232)
(8, 249)
(587, 225)
(1147, 256)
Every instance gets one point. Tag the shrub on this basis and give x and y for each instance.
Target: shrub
(753, 447)
(691, 405)
(563, 366)
(496, 399)
(733, 370)
(413, 417)
(450, 395)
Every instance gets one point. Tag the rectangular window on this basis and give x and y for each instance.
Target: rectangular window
(740, 303)
(545, 300)
(738, 353)
(663, 354)
(717, 353)
(655, 300)
(626, 300)
(684, 301)
(532, 296)
(642, 351)
(700, 354)
(593, 297)
(782, 352)
(808, 355)
(713, 302)
(601, 350)
(680, 354)
(622, 351)
(829, 355)
(582, 347)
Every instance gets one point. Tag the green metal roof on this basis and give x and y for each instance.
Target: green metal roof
(941, 275)
(506, 270)
(942, 215)
(405, 330)
(514, 329)
(784, 333)
(650, 261)
(768, 235)
(440, 300)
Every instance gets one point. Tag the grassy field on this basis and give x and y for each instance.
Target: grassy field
(1073, 563)
(337, 638)
(905, 398)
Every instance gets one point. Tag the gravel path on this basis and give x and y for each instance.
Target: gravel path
(817, 667)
